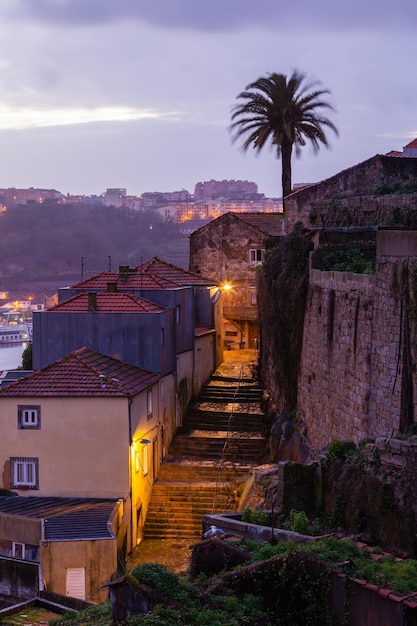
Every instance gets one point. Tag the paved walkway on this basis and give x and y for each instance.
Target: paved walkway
(175, 554)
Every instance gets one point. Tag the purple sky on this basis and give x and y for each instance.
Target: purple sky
(138, 93)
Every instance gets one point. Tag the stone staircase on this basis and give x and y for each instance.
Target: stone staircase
(220, 440)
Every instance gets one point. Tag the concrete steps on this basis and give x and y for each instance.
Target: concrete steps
(177, 506)
(211, 454)
(234, 446)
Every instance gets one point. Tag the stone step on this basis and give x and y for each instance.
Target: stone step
(221, 420)
(220, 440)
(218, 446)
(202, 471)
(174, 513)
(228, 396)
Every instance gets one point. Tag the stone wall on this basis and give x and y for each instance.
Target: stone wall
(334, 383)
(353, 197)
(357, 378)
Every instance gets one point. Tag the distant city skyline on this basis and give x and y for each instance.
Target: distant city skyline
(134, 94)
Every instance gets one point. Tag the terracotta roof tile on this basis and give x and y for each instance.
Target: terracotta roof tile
(107, 303)
(269, 223)
(83, 373)
(412, 144)
(394, 153)
(157, 267)
(153, 274)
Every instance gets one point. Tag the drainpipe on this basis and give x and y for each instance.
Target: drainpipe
(40, 568)
(130, 469)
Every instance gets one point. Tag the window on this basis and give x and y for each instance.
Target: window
(252, 295)
(145, 460)
(18, 550)
(28, 416)
(24, 473)
(178, 313)
(256, 256)
(149, 403)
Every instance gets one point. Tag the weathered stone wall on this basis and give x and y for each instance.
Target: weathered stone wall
(334, 383)
(357, 377)
(220, 250)
(351, 197)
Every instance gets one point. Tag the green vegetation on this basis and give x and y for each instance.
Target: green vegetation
(48, 240)
(283, 584)
(27, 357)
(397, 188)
(340, 449)
(295, 521)
(347, 259)
(282, 295)
(388, 571)
(100, 615)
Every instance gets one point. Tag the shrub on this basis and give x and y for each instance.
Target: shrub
(298, 522)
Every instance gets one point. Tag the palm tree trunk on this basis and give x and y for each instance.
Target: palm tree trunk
(286, 151)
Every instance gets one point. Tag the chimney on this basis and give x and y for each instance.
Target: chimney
(112, 287)
(125, 271)
(92, 301)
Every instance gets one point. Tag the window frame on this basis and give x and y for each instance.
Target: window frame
(254, 253)
(22, 411)
(21, 550)
(24, 463)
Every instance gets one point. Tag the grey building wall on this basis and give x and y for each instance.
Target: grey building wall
(133, 338)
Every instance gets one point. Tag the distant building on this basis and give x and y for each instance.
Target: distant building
(225, 188)
(12, 196)
(410, 150)
(114, 197)
(159, 198)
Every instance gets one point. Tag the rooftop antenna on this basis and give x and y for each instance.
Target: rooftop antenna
(82, 268)
(141, 276)
(109, 262)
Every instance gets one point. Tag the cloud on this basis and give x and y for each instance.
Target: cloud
(24, 118)
(220, 15)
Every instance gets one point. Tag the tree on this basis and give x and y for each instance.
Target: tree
(285, 112)
(27, 358)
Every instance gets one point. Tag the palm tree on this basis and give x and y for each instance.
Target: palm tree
(285, 112)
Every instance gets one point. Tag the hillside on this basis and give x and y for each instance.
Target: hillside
(42, 244)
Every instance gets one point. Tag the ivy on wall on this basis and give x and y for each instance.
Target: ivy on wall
(283, 283)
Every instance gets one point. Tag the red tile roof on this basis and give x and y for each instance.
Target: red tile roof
(269, 223)
(412, 144)
(83, 373)
(157, 267)
(133, 280)
(107, 303)
(394, 153)
(154, 274)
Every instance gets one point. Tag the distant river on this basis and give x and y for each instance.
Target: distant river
(11, 356)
